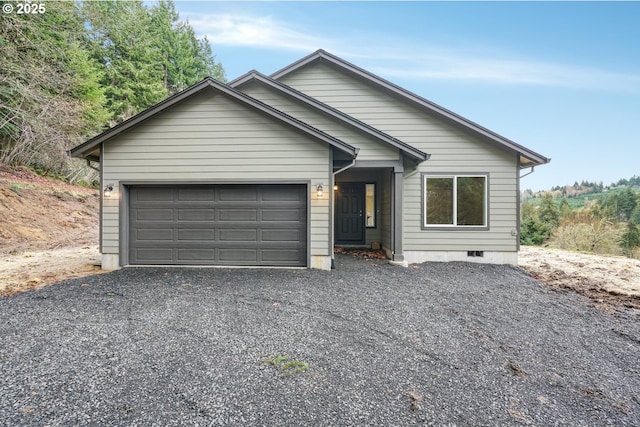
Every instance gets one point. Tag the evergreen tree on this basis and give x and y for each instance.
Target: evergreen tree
(630, 239)
(548, 212)
(532, 230)
(185, 59)
(565, 209)
(131, 64)
(635, 215)
(50, 97)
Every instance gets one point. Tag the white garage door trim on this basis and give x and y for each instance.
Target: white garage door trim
(126, 186)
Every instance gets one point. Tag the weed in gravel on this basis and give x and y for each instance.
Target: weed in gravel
(286, 364)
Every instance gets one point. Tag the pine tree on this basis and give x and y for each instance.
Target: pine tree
(185, 59)
(50, 98)
(548, 211)
(132, 71)
(630, 239)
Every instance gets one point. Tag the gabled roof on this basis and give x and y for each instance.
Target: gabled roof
(406, 149)
(528, 157)
(85, 149)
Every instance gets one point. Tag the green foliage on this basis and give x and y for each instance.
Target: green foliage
(45, 76)
(286, 364)
(533, 231)
(184, 59)
(621, 204)
(80, 66)
(606, 226)
(120, 42)
(594, 236)
(630, 240)
(635, 215)
(548, 211)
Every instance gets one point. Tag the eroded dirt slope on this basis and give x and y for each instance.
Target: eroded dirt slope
(48, 230)
(608, 280)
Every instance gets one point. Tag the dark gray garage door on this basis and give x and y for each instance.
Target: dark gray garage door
(218, 225)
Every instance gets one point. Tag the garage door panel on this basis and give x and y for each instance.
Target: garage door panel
(235, 194)
(153, 234)
(280, 215)
(218, 225)
(151, 214)
(282, 256)
(196, 234)
(246, 214)
(239, 255)
(195, 194)
(196, 214)
(154, 255)
(156, 194)
(238, 235)
(281, 235)
(275, 194)
(196, 254)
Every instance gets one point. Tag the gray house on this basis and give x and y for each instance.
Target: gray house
(278, 170)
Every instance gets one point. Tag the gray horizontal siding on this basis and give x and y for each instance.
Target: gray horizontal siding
(211, 138)
(370, 149)
(452, 151)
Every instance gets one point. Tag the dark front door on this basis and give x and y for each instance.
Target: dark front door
(349, 213)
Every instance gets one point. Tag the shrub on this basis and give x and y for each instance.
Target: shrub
(598, 236)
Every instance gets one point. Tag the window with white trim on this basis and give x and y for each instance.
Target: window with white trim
(455, 201)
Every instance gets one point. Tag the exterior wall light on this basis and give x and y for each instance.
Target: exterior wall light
(107, 191)
(320, 190)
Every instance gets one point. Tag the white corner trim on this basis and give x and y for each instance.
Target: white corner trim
(110, 262)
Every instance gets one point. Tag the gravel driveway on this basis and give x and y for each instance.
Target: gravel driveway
(438, 344)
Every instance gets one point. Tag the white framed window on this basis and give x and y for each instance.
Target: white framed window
(459, 200)
(370, 205)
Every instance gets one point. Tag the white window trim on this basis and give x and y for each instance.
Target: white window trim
(455, 201)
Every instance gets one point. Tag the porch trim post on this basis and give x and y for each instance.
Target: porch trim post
(398, 185)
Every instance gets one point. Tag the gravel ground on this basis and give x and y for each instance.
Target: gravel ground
(438, 344)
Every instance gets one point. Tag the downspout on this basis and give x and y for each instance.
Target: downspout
(528, 173)
(353, 162)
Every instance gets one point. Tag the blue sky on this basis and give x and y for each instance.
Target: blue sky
(562, 79)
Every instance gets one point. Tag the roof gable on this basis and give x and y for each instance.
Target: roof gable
(528, 157)
(86, 149)
(407, 150)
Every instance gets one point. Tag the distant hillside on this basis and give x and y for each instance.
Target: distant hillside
(578, 194)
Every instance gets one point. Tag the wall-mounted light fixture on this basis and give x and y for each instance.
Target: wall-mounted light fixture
(335, 187)
(319, 189)
(107, 191)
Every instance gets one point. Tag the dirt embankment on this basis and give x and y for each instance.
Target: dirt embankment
(610, 281)
(48, 230)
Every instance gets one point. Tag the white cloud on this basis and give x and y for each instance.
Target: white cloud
(393, 58)
(497, 69)
(261, 32)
